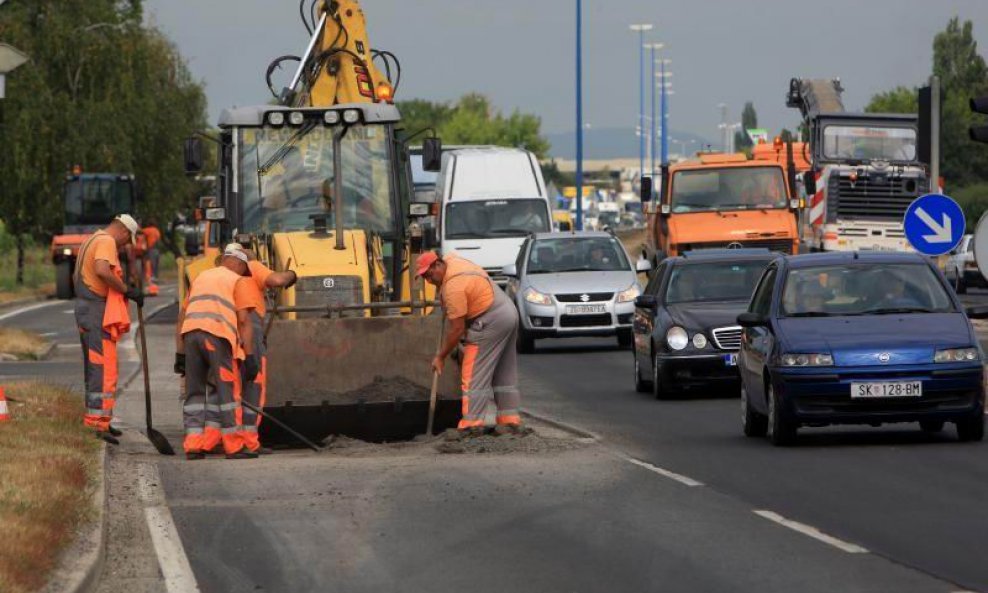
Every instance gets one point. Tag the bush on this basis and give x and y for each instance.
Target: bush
(974, 200)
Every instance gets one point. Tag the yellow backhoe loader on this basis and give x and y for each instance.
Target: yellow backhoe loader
(321, 184)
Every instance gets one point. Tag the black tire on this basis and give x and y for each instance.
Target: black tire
(972, 428)
(525, 343)
(659, 390)
(641, 385)
(753, 424)
(63, 280)
(781, 427)
(960, 286)
(931, 426)
(624, 338)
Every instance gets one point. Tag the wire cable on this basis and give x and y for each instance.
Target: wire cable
(301, 13)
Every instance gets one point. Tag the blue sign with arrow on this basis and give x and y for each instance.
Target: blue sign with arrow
(934, 224)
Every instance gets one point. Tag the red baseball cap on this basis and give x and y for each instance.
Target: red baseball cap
(424, 261)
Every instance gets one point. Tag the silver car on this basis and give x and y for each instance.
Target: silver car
(573, 284)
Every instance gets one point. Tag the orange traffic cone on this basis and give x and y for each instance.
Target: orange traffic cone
(4, 414)
(153, 289)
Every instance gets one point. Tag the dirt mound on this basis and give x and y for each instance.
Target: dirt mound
(381, 389)
(529, 442)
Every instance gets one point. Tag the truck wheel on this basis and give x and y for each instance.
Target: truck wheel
(63, 280)
(959, 286)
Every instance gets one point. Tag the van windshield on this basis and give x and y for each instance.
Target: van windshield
(490, 219)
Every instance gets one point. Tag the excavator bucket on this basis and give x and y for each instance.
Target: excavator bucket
(363, 377)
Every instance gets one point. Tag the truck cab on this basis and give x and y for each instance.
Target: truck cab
(722, 201)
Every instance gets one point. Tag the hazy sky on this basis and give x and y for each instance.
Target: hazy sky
(520, 52)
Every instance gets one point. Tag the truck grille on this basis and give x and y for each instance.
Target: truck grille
(322, 291)
(728, 338)
(601, 320)
(779, 245)
(592, 297)
(880, 198)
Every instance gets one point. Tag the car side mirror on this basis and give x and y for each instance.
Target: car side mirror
(646, 189)
(749, 319)
(809, 182)
(432, 155)
(646, 301)
(643, 265)
(510, 270)
(193, 155)
(980, 312)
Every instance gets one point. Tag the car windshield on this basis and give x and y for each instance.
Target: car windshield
(96, 200)
(869, 143)
(728, 188)
(714, 281)
(487, 219)
(286, 177)
(577, 254)
(864, 289)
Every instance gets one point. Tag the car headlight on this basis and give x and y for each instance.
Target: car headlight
(536, 297)
(956, 355)
(629, 294)
(807, 360)
(677, 338)
(699, 341)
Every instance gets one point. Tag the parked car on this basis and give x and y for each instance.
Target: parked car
(858, 338)
(685, 325)
(961, 270)
(573, 284)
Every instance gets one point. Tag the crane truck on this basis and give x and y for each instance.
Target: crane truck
(321, 184)
(865, 171)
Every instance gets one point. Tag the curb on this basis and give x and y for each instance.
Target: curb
(47, 352)
(579, 432)
(21, 302)
(81, 564)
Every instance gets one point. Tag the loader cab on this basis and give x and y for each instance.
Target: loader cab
(862, 139)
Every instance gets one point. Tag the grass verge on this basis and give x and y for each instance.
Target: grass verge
(21, 344)
(48, 464)
(39, 275)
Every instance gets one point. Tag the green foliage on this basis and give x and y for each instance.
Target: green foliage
(749, 121)
(899, 100)
(102, 91)
(974, 200)
(473, 120)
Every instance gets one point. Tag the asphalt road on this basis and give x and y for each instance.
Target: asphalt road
(671, 498)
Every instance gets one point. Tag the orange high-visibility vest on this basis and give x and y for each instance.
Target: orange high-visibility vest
(211, 307)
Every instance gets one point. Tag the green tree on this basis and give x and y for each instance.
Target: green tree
(749, 121)
(899, 100)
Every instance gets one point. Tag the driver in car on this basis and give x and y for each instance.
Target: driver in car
(893, 294)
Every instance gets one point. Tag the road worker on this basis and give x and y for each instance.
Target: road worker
(485, 319)
(214, 338)
(255, 391)
(102, 318)
(153, 236)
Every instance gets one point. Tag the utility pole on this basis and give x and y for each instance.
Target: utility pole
(652, 47)
(579, 115)
(640, 28)
(664, 123)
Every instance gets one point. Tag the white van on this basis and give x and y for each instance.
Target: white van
(492, 198)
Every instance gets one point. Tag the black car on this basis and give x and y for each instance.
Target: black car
(685, 325)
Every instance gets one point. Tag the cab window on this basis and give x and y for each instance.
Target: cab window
(761, 302)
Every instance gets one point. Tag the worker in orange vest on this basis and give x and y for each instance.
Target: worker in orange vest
(101, 315)
(483, 317)
(152, 257)
(255, 392)
(214, 338)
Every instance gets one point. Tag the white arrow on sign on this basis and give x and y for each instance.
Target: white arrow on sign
(942, 233)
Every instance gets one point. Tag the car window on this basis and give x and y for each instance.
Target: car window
(656, 279)
(864, 289)
(761, 302)
(713, 281)
(577, 254)
(520, 260)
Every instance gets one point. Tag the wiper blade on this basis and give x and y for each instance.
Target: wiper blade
(283, 150)
(464, 236)
(810, 314)
(895, 310)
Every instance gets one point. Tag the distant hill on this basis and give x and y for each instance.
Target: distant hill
(613, 143)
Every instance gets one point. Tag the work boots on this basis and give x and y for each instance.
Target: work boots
(243, 454)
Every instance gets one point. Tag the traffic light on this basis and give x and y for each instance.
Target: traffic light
(979, 105)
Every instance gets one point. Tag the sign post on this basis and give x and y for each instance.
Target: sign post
(934, 224)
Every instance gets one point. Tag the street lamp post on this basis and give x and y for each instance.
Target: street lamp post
(640, 28)
(664, 74)
(652, 47)
(579, 115)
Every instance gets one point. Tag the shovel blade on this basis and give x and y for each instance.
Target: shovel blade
(160, 442)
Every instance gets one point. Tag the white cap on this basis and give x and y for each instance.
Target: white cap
(235, 250)
(128, 221)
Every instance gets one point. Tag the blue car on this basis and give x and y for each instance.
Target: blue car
(858, 338)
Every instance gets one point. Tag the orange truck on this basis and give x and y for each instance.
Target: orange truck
(91, 202)
(719, 201)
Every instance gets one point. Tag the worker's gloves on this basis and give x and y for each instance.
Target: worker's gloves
(179, 364)
(293, 280)
(251, 368)
(136, 295)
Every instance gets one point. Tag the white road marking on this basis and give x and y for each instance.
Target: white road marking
(684, 480)
(813, 532)
(48, 334)
(172, 560)
(27, 309)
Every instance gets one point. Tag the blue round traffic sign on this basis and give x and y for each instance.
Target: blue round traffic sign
(934, 224)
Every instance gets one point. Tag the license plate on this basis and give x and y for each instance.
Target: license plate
(886, 389)
(731, 360)
(585, 309)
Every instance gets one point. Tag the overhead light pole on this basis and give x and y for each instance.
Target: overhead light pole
(641, 28)
(663, 119)
(652, 47)
(579, 115)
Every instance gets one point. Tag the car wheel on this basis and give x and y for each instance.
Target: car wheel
(961, 286)
(972, 428)
(525, 344)
(641, 385)
(752, 423)
(931, 426)
(624, 338)
(781, 428)
(659, 390)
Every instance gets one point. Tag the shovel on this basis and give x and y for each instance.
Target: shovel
(157, 439)
(281, 425)
(435, 380)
